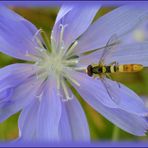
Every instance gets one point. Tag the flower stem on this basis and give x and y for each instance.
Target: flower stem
(115, 135)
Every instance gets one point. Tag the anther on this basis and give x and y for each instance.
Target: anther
(53, 43)
(67, 95)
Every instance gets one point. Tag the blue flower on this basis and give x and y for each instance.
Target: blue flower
(39, 88)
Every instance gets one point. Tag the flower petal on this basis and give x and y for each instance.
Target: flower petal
(65, 132)
(68, 128)
(111, 95)
(75, 118)
(13, 75)
(28, 121)
(19, 72)
(16, 35)
(22, 95)
(40, 120)
(76, 18)
(126, 99)
(49, 113)
(64, 10)
(132, 54)
(119, 21)
(132, 123)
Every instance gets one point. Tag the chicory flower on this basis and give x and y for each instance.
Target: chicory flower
(40, 88)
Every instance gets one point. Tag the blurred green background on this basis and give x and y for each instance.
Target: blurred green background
(100, 128)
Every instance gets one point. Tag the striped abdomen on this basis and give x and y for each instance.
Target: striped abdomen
(119, 68)
(130, 68)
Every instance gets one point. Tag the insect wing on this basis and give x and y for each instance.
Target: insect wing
(109, 90)
(110, 47)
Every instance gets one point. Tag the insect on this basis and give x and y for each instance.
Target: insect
(102, 70)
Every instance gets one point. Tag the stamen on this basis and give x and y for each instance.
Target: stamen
(39, 97)
(61, 42)
(37, 38)
(61, 45)
(37, 33)
(40, 49)
(34, 57)
(67, 76)
(42, 72)
(59, 93)
(56, 63)
(70, 50)
(44, 52)
(71, 62)
(41, 75)
(37, 74)
(66, 92)
(61, 34)
(53, 43)
(80, 69)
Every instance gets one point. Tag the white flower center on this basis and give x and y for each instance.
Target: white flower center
(55, 60)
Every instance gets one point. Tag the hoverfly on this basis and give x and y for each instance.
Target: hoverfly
(102, 70)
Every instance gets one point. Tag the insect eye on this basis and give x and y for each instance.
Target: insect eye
(89, 70)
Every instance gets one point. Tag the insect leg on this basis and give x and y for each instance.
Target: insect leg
(108, 76)
(119, 85)
(95, 76)
(108, 89)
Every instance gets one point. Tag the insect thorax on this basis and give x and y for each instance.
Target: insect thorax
(104, 69)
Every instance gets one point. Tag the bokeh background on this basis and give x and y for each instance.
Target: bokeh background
(100, 128)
